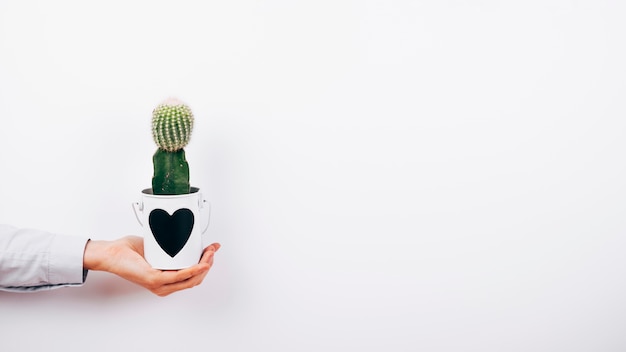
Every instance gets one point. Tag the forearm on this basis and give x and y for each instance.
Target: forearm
(36, 260)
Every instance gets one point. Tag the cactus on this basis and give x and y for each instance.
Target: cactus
(172, 122)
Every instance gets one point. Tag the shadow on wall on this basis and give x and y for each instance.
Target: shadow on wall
(98, 287)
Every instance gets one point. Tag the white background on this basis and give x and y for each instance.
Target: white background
(384, 175)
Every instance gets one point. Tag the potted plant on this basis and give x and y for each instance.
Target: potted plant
(170, 208)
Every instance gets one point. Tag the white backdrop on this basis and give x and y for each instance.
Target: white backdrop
(384, 175)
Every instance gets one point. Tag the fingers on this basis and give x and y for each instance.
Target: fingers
(214, 247)
(209, 251)
(170, 277)
(182, 285)
(172, 281)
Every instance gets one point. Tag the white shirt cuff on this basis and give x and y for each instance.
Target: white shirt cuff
(66, 260)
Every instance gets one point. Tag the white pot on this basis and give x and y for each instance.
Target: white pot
(171, 227)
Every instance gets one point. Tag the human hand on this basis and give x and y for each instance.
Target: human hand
(124, 258)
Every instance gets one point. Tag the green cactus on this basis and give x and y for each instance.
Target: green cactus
(172, 122)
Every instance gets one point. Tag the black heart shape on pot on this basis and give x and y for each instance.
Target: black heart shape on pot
(171, 232)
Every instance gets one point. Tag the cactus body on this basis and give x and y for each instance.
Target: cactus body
(172, 122)
(171, 173)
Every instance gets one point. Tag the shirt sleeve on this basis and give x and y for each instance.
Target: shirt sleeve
(33, 260)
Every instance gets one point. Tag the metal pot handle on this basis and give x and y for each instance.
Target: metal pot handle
(208, 221)
(138, 207)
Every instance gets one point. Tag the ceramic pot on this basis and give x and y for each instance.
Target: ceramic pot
(171, 228)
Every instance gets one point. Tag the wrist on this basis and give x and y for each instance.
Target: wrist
(94, 256)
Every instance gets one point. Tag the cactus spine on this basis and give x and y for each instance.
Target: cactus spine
(172, 123)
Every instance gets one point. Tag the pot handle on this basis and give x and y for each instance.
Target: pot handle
(138, 208)
(204, 204)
